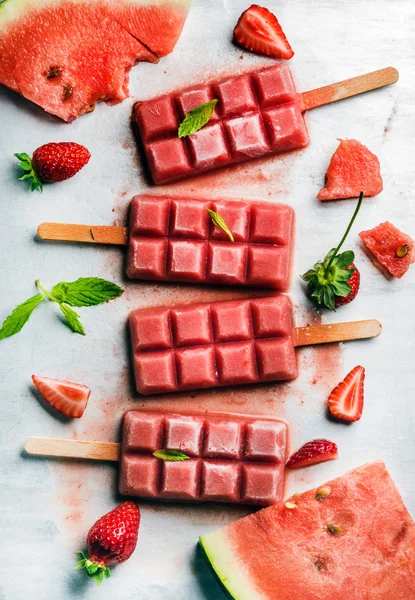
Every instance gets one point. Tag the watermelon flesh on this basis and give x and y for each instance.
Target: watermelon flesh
(383, 242)
(68, 55)
(284, 552)
(353, 169)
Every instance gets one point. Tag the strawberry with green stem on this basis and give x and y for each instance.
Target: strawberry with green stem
(335, 280)
(111, 540)
(53, 162)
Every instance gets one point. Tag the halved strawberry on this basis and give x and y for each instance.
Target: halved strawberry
(258, 30)
(312, 453)
(346, 400)
(70, 399)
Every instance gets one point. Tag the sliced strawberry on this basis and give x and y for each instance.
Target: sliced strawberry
(258, 30)
(70, 399)
(312, 453)
(346, 400)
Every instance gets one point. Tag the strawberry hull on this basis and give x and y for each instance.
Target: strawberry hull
(356, 543)
(56, 56)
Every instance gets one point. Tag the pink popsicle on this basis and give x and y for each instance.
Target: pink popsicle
(213, 344)
(174, 239)
(236, 459)
(257, 114)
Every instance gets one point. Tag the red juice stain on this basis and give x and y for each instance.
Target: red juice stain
(255, 175)
(121, 205)
(72, 493)
(322, 362)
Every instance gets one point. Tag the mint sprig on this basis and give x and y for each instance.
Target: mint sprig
(197, 118)
(29, 172)
(219, 222)
(86, 291)
(93, 570)
(170, 455)
(329, 278)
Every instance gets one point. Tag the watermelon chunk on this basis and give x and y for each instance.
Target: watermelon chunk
(392, 250)
(352, 169)
(356, 543)
(66, 56)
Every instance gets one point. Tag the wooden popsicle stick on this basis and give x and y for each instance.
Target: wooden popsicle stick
(349, 87)
(40, 446)
(92, 234)
(336, 332)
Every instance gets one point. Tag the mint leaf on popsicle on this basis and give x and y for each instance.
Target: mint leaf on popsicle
(197, 118)
(170, 455)
(219, 222)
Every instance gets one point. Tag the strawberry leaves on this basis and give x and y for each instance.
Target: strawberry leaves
(93, 570)
(328, 279)
(29, 172)
(85, 291)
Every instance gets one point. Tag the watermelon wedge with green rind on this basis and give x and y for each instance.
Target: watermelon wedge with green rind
(383, 243)
(358, 543)
(353, 169)
(67, 55)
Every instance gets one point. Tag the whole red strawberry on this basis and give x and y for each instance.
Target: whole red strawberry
(335, 280)
(53, 162)
(111, 540)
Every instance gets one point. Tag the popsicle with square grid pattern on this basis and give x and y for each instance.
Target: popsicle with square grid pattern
(174, 239)
(224, 343)
(257, 114)
(230, 458)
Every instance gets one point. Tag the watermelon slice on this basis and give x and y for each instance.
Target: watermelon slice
(67, 55)
(390, 249)
(351, 539)
(352, 169)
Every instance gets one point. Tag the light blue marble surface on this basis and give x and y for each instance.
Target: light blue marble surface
(46, 507)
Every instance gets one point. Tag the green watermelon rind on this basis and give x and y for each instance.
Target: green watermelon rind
(203, 545)
(229, 571)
